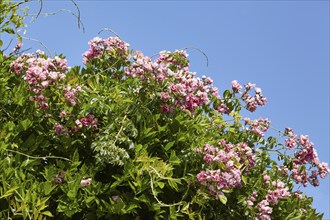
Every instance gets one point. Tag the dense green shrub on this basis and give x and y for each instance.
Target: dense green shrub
(128, 137)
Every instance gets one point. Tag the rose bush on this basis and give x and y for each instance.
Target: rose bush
(125, 136)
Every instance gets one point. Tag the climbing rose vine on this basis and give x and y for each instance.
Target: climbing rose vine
(125, 136)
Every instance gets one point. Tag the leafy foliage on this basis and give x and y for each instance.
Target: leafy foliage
(128, 137)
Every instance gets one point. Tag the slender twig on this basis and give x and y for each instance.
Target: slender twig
(163, 177)
(32, 39)
(154, 55)
(111, 31)
(22, 51)
(280, 132)
(110, 67)
(34, 157)
(160, 202)
(120, 130)
(191, 47)
(78, 16)
(11, 40)
(40, 8)
(196, 48)
(3, 109)
(59, 11)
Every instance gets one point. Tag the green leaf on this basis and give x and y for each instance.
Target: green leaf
(72, 193)
(291, 216)
(19, 38)
(72, 80)
(25, 124)
(131, 207)
(229, 104)
(48, 187)
(27, 162)
(127, 100)
(161, 184)
(89, 199)
(9, 192)
(174, 183)
(296, 218)
(8, 30)
(223, 199)
(143, 198)
(169, 145)
(227, 94)
(138, 148)
(244, 179)
(75, 156)
(1, 43)
(175, 160)
(47, 213)
(241, 199)
(227, 190)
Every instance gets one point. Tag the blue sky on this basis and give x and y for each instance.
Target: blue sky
(282, 46)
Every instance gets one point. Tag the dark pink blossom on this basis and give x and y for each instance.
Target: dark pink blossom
(59, 129)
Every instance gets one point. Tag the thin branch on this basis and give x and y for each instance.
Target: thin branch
(280, 132)
(32, 39)
(59, 11)
(121, 128)
(43, 158)
(110, 67)
(3, 109)
(11, 40)
(196, 48)
(78, 16)
(163, 177)
(154, 194)
(111, 31)
(191, 47)
(40, 8)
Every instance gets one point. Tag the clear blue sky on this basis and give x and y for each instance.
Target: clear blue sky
(282, 46)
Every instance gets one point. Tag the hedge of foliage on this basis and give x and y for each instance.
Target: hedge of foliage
(124, 136)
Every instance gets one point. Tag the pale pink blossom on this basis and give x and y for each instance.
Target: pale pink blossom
(236, 86)
(86, 182)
